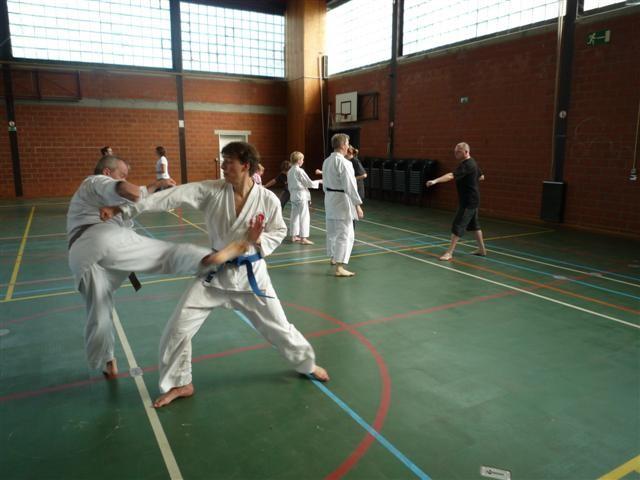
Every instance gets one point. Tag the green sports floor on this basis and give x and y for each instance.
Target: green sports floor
(526, 361)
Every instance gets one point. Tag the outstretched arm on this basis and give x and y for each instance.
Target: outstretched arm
(447, 177)
(135, 193)
(270, 183)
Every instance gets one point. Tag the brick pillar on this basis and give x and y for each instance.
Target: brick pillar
(305, 45)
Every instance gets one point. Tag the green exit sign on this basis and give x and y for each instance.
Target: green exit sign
(599, 38)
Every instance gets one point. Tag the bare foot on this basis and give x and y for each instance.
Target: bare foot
(332, 261)
(343, 272)
(447, 257)
(295, 239)
(320, 374)
(306, 241)
(111, 369)
(480, 253)
(171, 395)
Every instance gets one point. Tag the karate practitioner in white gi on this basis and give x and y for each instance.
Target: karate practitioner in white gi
(341, 204)
(230, 206)
(102, 255)
(299, 185)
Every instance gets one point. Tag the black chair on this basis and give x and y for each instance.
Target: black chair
(430, 169)
(401, 178)
(430, 172)
(367, 162)
(376, 175)
(387, 177)
(416, 177)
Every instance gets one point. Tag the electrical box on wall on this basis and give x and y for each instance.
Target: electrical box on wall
(347, 107)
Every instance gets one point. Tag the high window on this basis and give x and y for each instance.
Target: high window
(124, 32)
(226, 40)
(591, 4)
(359, 34)
(432, 23)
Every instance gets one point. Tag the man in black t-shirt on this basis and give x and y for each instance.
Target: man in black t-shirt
(466, 175)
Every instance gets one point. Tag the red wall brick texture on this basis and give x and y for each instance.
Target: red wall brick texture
(508, 121)
(59, 143)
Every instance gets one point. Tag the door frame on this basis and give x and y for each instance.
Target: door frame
(225, 137)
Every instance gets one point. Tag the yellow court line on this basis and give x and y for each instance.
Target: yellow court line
(189, 223)
(291, 264)
(16, 266)
(70, 292)
(35, 236)
(37, 297)
(623, 470)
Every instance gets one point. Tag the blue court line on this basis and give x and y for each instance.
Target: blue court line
(580, 282)
(546, 273)
(368, 250)
(417, 243)
(590, 268)
(138, 224)
(586, 267)
(373, 432)
(26, 293)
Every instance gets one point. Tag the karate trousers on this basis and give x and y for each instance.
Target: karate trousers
(340, 238)
(124, 251)
(300, 219)
(265, 314)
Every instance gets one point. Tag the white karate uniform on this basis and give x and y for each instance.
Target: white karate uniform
(299, 184)
(340, 207)
(104, 255)
(160, 171)
(229, 287)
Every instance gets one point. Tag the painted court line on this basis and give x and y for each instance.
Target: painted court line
(226, 353)
(504, 285)
(16, 267)
(372, 431)
(497, 250)
(182, 219)
(623, 470)
(568, 279)
(152, 415)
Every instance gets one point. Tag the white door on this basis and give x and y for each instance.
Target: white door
(226, 137)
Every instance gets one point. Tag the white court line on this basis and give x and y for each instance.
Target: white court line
(563, 268)
(504, 285)
(161, 438)
(502, 253)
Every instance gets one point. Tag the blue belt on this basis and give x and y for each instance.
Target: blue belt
(247, 261)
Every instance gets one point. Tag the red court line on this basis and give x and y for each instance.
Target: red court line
(55, 388)
(385, 391)
(226, 353)
(438, 308)
(549, 286)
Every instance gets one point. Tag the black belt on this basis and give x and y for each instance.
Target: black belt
(334, 190)
(135, 283)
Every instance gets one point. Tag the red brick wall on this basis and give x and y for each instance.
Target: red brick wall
(603, 116)
(6, 169)
(59, 144)
(268, 134)
(508, 121)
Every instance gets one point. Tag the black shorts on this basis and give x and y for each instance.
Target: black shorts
(465, 219)
(284, 197)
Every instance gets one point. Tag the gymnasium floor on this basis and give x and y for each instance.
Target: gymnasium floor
(526, 361)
